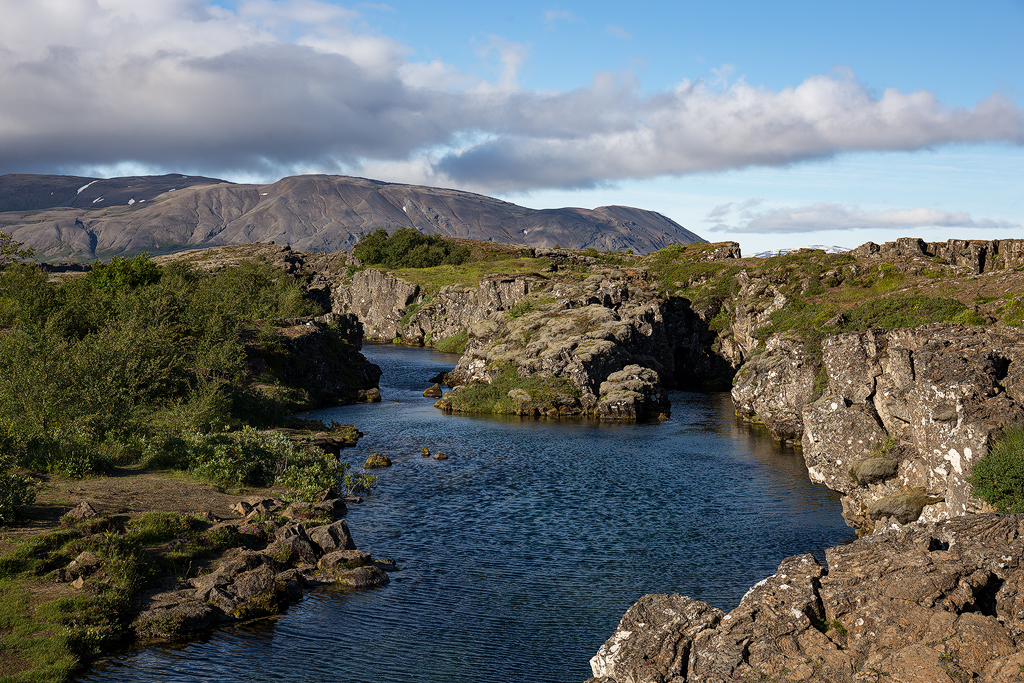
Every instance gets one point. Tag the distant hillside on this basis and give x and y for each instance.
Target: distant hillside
(69, 217)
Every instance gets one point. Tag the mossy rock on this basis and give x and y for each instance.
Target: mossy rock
(377, 461)
(905, 507)
(425, 452)
(872, 470)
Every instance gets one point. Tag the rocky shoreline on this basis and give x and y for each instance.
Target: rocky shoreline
(925, 603)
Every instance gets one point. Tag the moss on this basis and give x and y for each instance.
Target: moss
(511, 394)
(453, 344)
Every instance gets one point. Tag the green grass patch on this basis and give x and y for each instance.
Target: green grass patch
(998, 478)
(480, 397)
(454, 344)
(432, 280)
(901, 311)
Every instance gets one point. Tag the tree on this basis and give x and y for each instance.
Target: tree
(10, 250)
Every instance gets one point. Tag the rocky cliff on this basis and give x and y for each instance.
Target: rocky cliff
(933, 602)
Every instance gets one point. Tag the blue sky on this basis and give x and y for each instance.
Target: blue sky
(773, 124)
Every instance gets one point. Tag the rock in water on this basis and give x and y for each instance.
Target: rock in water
(433, 392)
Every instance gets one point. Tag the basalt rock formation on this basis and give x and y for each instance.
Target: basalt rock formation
(932, 602)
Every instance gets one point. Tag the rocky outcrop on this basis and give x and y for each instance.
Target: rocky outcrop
(773, 387)
(928, 400)
(893, 420)
(977, 256)
(932, 602)
(320, 357)
(248, 583)
(378, 300)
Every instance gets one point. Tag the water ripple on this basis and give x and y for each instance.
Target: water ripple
(519, 555)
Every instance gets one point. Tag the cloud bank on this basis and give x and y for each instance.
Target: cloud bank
(299, 85)
(826, 216)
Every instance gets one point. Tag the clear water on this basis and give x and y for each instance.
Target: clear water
(520, 553)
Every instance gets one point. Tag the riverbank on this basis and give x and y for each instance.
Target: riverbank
(141, 555)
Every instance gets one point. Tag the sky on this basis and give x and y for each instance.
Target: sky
(777, 125)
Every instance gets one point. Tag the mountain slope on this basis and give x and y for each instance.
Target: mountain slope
(76, 217)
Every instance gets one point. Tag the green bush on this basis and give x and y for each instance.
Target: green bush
(15, 490)
(998, 478)
(408, 248)
(91, 367)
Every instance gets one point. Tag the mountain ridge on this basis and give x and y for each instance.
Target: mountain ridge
(77, 217)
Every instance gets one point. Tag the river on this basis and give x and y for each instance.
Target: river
(518, 555)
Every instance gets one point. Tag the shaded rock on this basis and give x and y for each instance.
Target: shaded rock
(871, 470)
(335, 563)
(440, 456)
(84, 564)
(903, 507)
(364, 577)
(331, 537)
(433, 392)
(774, 387)
(176, 620)
(307, 511)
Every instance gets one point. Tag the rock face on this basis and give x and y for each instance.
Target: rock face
(322, 358)
(928, 400)
(932, 602)
(979, 256)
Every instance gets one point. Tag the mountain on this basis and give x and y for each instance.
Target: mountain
(779, 252)
(74, 217)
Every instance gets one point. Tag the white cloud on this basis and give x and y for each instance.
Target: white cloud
(271, 86)
(827, 216)
(552, 16)
(618, 32)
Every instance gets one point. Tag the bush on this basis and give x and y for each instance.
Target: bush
(998, 478)
(15, 490)
(408, 248)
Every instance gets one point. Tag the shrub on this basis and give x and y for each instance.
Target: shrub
(998, 478)
(123, 274)
(408, 248)
(15, 490)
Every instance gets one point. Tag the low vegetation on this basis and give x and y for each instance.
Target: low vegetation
(138, 364)
(511, 394)
(998, 478)
(409, 248)
(47, 639)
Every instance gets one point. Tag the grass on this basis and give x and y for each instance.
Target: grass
(432, 280)
(47, 639)
(479, 397)
(998, 478)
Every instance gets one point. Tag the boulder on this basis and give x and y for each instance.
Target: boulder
(81, 511)
(433, 392)
(929, 602)
(331, 537)
(337, 562)
(377, 461)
